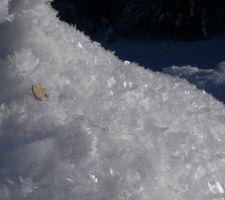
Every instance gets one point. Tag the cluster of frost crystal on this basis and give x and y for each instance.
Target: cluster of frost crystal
(210, 80)
(108, 130)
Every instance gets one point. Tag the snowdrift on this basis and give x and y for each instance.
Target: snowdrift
(210, 80)
(108, 130)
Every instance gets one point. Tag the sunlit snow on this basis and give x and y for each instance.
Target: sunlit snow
(108, 130)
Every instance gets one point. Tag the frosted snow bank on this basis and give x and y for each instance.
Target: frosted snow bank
(108, 131)
(211, 80)
(3, 10)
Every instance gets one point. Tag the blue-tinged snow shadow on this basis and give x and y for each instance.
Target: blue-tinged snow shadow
(210, 80)
(156, 55)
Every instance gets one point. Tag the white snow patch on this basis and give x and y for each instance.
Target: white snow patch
(210, 80)
(108, 130)
(215, 188)
(3, 10)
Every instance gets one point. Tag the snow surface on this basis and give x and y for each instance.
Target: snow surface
(156, 55)
(3, 10)
(210, 80)
(109, 130)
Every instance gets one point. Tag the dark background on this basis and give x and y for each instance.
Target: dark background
(158, 19)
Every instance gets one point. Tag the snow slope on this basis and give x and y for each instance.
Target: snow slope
(108, 131)
(157, 55)
(210, 80)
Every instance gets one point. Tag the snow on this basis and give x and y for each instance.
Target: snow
(109, 130)
(3, 10)
(156, 55)
(210, 80)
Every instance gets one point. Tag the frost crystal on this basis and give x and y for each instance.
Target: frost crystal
(215, 188)
(109, 130)
(27, 186)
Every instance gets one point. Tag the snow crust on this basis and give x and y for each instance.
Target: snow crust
(210, 80)
(109, 130)
(3, 10)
